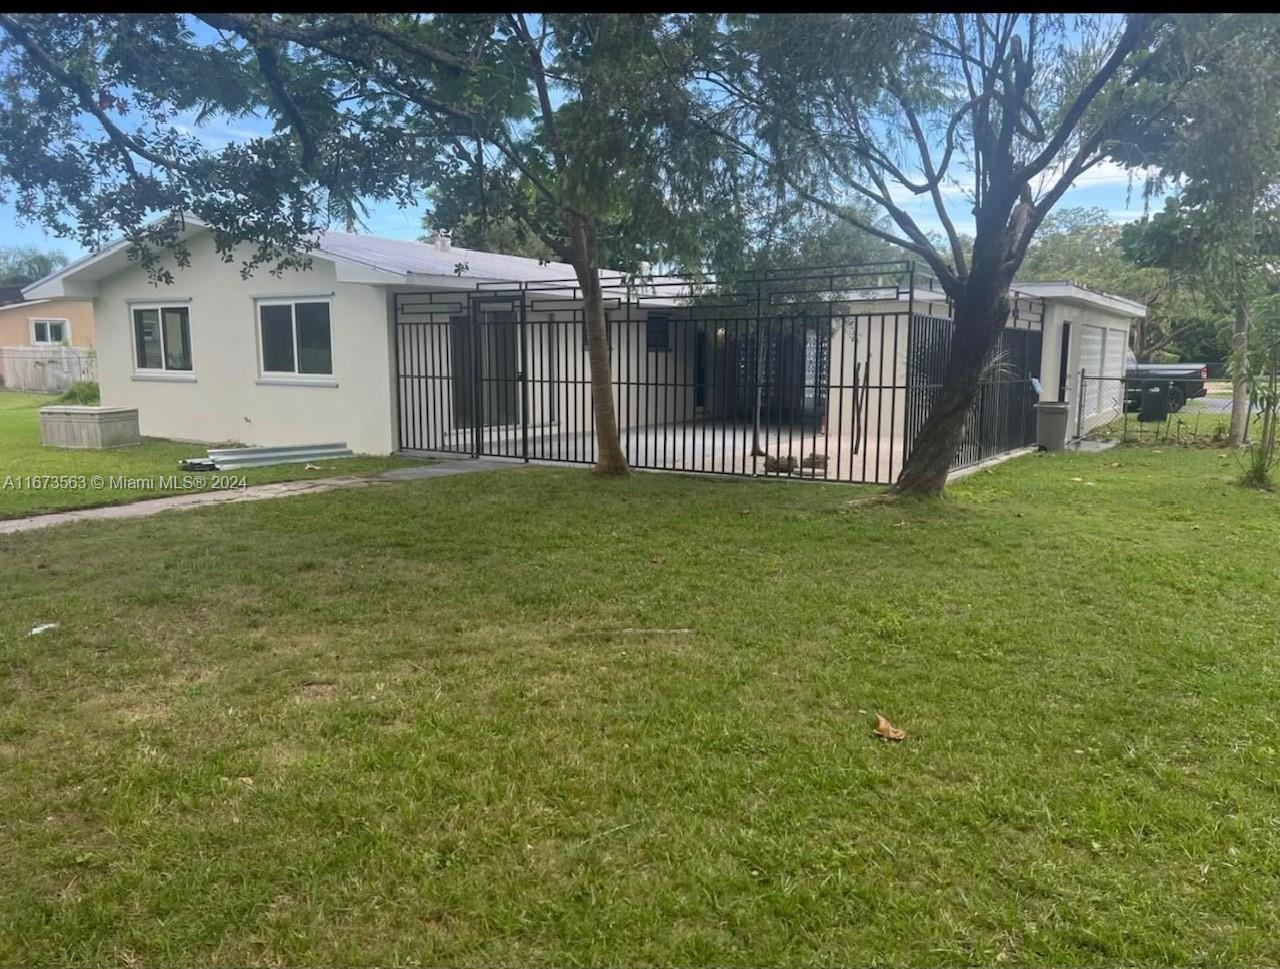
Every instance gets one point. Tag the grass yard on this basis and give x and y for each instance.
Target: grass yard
(528, 717)
(23, 456)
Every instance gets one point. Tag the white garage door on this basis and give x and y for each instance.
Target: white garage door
(1092, 342)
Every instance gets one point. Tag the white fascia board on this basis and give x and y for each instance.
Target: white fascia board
(1068, 292)
(346, 271)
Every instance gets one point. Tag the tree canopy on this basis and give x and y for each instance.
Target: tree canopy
(20, 265)
(1085, 246)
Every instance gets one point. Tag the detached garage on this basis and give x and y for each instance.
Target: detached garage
(1087, 334)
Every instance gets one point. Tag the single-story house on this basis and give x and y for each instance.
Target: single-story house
(390, 345)
(46, 343)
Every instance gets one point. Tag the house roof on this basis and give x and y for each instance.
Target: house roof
(369, 259)
(381, 261)
(1067, 291)
(10, 294)
(406, 258)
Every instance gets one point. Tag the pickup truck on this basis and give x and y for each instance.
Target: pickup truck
(1187, 380)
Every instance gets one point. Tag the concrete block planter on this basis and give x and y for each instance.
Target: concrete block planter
(77, 426)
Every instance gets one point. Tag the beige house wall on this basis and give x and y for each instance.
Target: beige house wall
(16, 318)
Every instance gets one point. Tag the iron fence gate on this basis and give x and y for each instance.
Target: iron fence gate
(787, 376)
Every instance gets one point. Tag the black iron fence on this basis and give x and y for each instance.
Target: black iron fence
(824, 374)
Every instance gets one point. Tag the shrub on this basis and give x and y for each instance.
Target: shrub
(82, 392)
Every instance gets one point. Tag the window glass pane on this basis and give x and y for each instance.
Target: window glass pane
(277, 338)
(55, 333)
(42, 331)
(658, 333)
(315, 353)
(177, 339)
(146, 332)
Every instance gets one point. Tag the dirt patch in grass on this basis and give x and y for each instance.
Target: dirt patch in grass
(318, 691)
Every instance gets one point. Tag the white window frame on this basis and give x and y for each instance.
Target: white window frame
(162, 372)
(66, 330)
(266, 376)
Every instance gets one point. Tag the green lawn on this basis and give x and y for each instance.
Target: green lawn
(22, 456)
(530, 717)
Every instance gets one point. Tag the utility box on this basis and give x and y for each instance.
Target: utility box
(1051, 425)
(88, 427)
(1155, 403)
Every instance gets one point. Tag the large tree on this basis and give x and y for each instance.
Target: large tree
(20, 265)
(1009, 109)
(1220, 150)
(568, 124)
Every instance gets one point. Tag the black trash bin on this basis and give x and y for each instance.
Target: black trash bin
(1155, 403)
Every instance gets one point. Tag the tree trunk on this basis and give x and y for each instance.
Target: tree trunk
(1238, 428)
(609, 457)
(978, 324)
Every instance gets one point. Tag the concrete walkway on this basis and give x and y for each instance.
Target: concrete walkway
(281, 489)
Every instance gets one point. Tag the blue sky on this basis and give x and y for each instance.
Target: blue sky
(1106, 186)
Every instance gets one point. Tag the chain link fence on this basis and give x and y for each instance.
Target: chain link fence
(1153, 410)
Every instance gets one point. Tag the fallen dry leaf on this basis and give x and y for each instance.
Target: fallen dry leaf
(1077, 479)
(887, 730)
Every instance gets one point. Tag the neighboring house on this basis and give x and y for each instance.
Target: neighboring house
(45, 344)
(391, 345)
(47, 322)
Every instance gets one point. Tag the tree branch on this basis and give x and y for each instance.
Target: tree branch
(926, 162)
(269, 64)
(125, 145)
(1135, 29)
(540, 83)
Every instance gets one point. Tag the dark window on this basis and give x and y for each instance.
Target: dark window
(49, 331)
(162, 338)
(315, 354)
(658, 332)
(277, 339)
(177, 339)
(296, 338)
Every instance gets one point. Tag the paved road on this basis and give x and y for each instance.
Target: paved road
(1209, 405)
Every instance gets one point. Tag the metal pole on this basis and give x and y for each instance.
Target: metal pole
(1080, 406)
(756, 449)
(524, 376)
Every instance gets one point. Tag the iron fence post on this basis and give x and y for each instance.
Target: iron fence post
(756, 450)
(1080, 406)
(524, 378)
(475, 337)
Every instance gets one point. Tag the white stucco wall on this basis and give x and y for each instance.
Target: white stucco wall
(1105, 396)
(228, 400)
